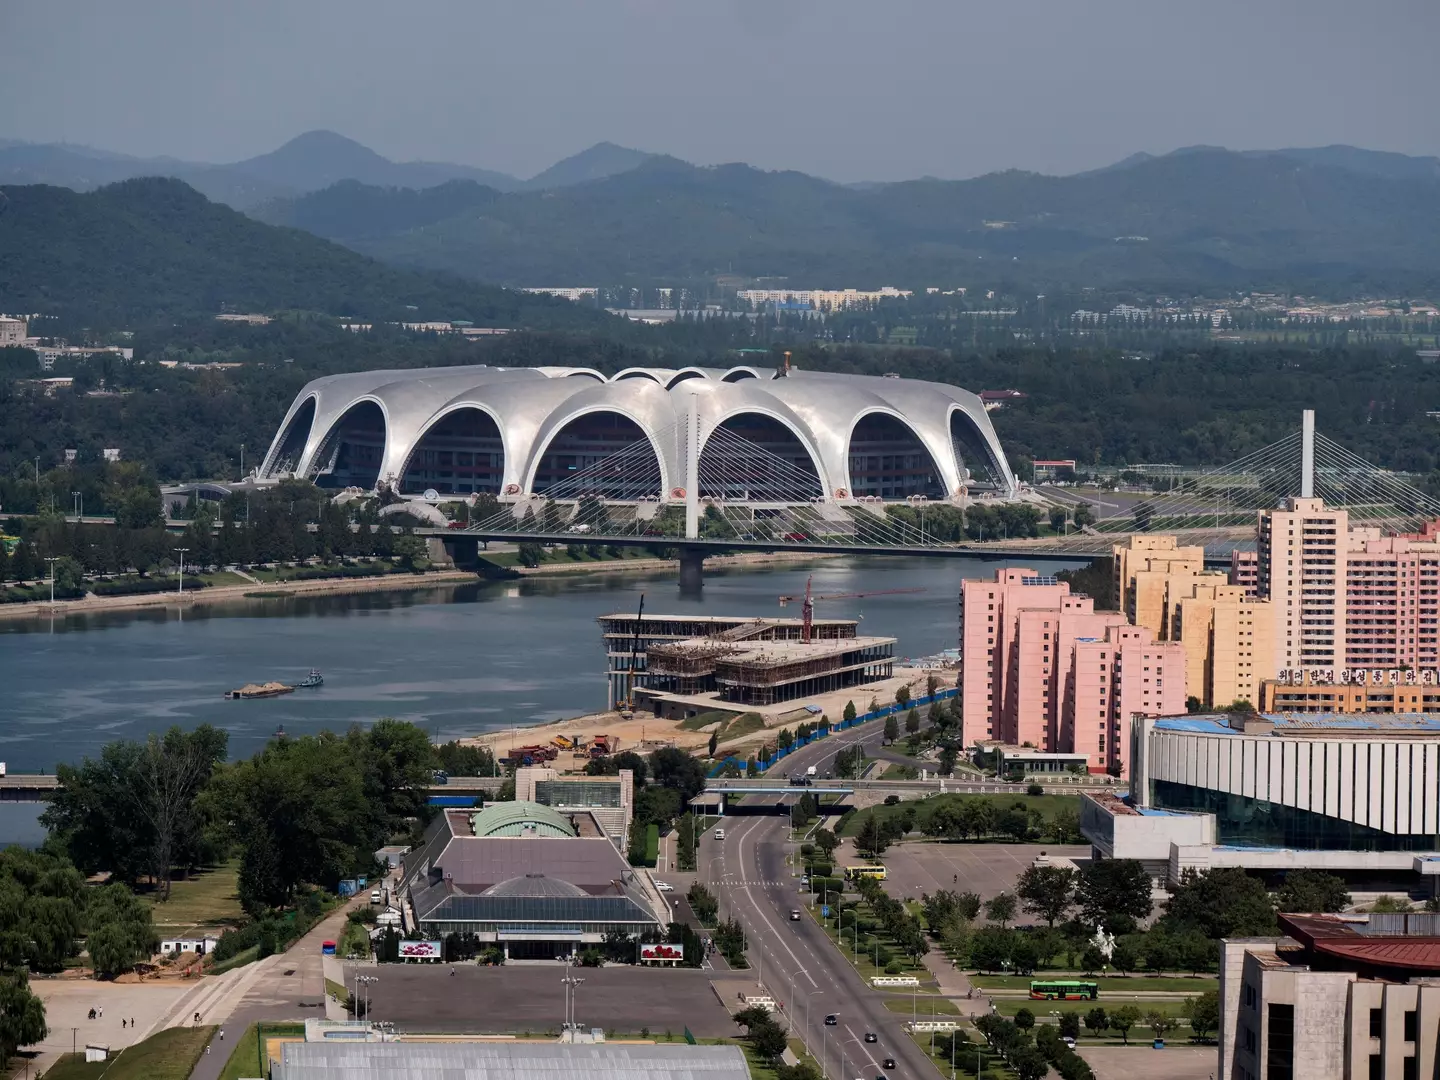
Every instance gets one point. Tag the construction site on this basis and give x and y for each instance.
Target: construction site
(677, 666)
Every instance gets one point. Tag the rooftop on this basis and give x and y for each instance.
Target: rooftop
(520, 818)
(514, 1061)
(1300, 724)
(1397, 945)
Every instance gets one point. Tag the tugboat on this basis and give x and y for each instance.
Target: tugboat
(311, 681)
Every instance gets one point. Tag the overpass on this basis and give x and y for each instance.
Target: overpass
(719, 791)
(27, 787)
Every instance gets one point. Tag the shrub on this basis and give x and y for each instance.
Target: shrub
(893, 968)
(1034, 789)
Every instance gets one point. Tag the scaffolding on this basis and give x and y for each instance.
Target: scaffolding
(772, 672)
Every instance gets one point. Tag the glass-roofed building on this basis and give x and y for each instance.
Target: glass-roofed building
(538, 882)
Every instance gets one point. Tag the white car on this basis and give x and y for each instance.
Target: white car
(664, 886)
(719, 834)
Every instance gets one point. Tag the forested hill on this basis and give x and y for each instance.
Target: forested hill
(1186, 222)
(149, 249)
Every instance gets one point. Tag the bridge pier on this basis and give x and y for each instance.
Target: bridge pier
(692, 571)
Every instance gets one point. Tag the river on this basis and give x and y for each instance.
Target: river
(458, 660)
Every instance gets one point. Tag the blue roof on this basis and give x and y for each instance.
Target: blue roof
(1154, 811)
(1199, 725)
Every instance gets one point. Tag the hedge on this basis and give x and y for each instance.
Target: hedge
(652, 844)
(136, 586)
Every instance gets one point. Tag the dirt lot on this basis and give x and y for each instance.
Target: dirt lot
(1144, 1063)
(520, 998)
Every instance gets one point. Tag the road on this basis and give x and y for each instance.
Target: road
(795, 960)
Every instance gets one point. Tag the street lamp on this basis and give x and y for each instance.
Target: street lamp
(182, 551)
(242, 462)
(79, 503)
(808, 1043)
(367, 981)
(52, 560)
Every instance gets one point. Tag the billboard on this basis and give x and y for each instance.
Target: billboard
(422, 950)
(668, 954)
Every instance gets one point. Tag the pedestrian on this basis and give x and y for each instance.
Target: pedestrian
(132, 1021)
(222, 1034)
(207, 1048)
(102, 1012)
(122, 1023)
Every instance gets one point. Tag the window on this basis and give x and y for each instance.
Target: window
(1410, 1025)
(1377, 1070)
(1280, 1048)
(1250, 996)
(1249, 1033)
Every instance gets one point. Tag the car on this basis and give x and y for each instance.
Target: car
(664, 886)
(1068, 1041)
(719, 834)
(888, 1063)
(804, 881)
(794, 914)
(375, 896)
(871, 1037)
(831, 1019)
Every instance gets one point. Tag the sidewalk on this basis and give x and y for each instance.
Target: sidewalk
(955, 985)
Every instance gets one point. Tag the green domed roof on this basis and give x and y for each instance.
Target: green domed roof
(519, 818)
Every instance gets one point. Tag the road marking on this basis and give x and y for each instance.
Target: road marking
(740, 847)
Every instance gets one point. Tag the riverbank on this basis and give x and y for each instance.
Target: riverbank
(90, 604)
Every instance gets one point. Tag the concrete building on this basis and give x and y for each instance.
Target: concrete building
(1147, 570)
(1229, 640)
(13, 331)
(1357, 796)
(1040, 667)
(1339, 997)
(1301, 557)
(628, 640)
(1381, 690)
(610, 800)
(1245, 570)
(1349, 598)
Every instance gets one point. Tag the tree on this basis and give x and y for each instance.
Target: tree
(120, 931)
(1113, 893)
(1203, 1012)
(902, 696)
(22, 1015)
(849, 713)
(1024, 1018)
(1312, 891)
(714, 743)
(1097, 1021)
(1070, 1024)
(1223, 902)
(675, 768)
(1047, 891)
(1000, 909)
(871, 837)
(1123, 1019)
(1159, 1023)
(948, 758)
(1029, 1063)
(528, 553)
(826, 842)
(169, 777)
(912, 721)
(892, 728)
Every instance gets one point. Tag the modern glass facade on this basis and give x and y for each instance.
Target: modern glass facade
(1242, 821)
(577, 793)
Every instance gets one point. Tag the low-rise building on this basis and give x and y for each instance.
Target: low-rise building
(610, 800)
(1348, 997)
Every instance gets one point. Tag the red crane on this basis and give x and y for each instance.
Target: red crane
(807, 610)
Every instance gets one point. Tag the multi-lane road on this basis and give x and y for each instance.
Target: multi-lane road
(795, 960)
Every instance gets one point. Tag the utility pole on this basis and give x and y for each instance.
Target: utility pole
(52, 560)
(182, 551)
(571, 984)
(242, 461)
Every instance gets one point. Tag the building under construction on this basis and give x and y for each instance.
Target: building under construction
(749, 669)
(628, 638)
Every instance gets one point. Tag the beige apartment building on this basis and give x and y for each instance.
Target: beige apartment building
(1229, 640)
(1301, 555)
(1145, 569)
(1340, 997)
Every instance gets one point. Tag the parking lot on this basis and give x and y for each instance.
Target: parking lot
(523, 997)
(1144, 1063)
(917, 867)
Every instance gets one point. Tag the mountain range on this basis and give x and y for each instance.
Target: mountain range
(1334, 220)
(306, 163)
(1330, 220)
(154, 249)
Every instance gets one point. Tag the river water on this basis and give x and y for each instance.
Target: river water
(458, 660)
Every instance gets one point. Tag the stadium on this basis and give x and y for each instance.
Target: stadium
(782, 437)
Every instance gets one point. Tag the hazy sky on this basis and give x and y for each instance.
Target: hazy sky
(885, 89)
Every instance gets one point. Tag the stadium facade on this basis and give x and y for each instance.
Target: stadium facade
(518, 432)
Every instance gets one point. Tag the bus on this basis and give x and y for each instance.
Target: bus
(1064, 990)
(855, 873)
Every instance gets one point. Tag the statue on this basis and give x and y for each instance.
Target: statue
(1104, 943)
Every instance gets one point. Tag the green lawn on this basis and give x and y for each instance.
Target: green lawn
(247, 1059)
(1133, 984)
(923, 1007)
(924, 808)
(745, 724)
(862, 963)
(705, 719)
(167, 1055)
(206, 899)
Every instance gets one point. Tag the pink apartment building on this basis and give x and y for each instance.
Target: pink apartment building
(1020, 637)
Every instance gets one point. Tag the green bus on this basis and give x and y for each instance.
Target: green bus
(1064, 990)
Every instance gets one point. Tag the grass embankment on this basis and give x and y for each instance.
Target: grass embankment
(208, 900)
(703, 720)
(562, 556)
(1119, 984)
(167, 1055)
(249, 1057)
(1048, 805)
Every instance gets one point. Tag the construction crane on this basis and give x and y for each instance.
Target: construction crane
(807, 610)
(627, 707)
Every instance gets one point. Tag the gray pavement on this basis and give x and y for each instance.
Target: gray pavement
(915, 867)
(520, 997)
(1175, 1062)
